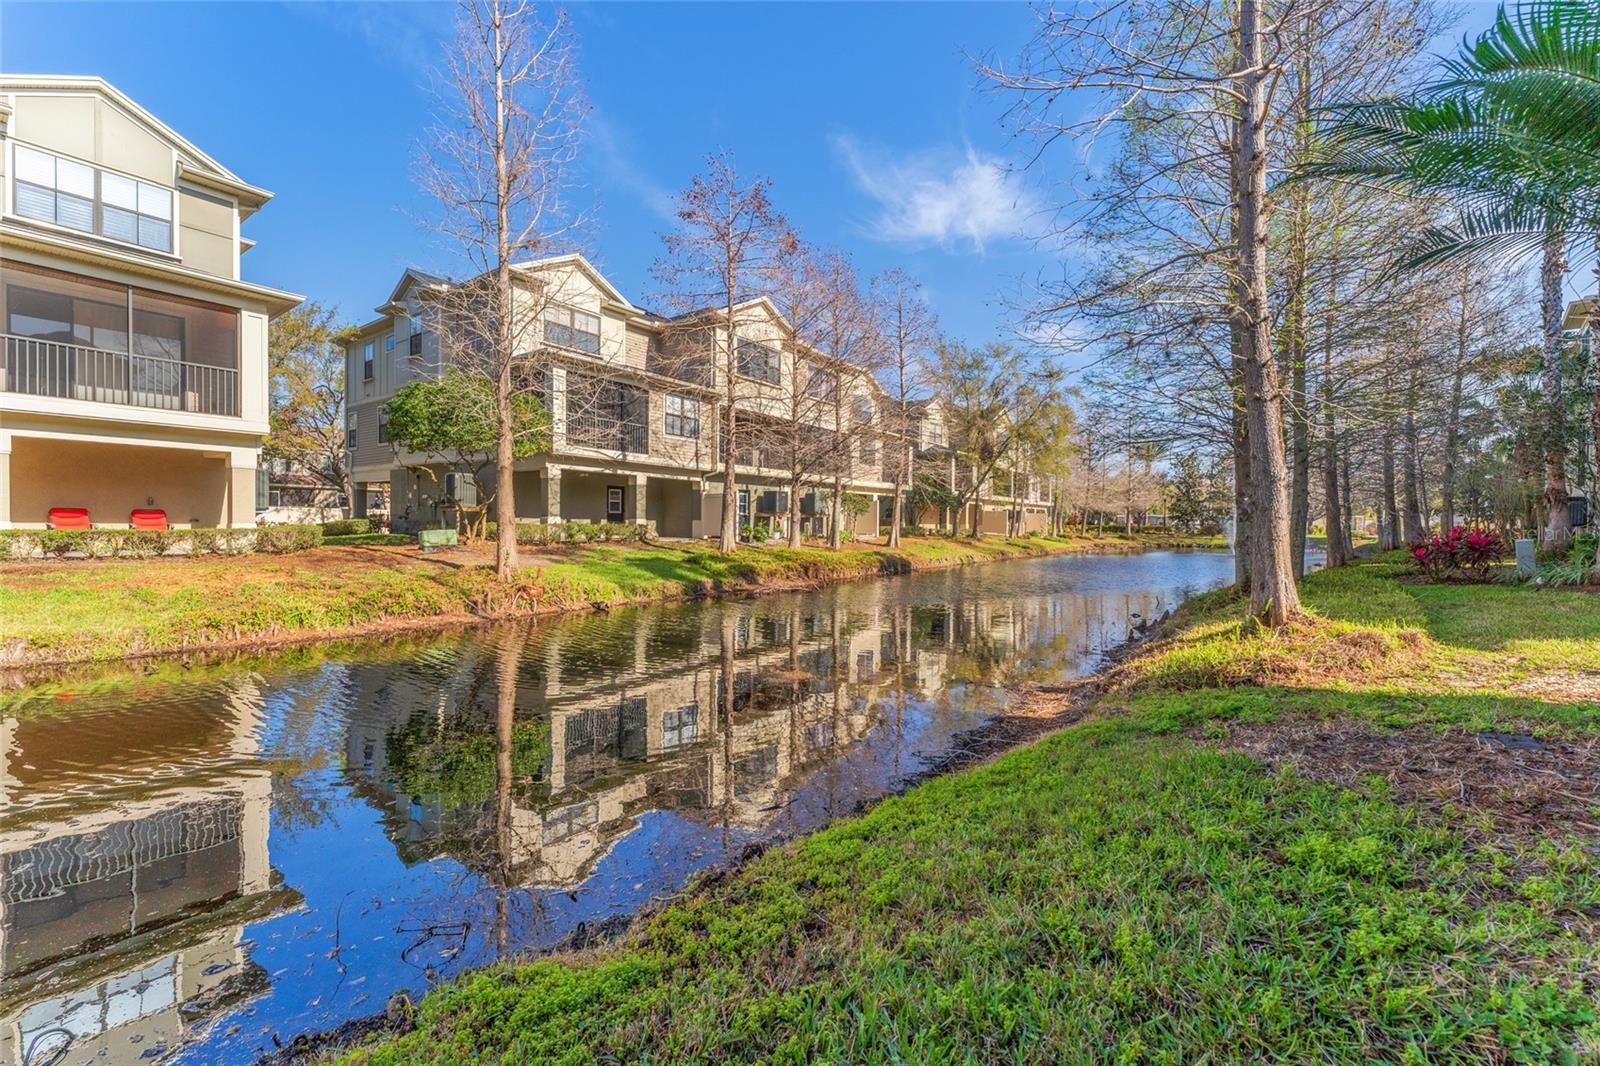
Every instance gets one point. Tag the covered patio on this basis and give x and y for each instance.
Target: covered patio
(197, 487)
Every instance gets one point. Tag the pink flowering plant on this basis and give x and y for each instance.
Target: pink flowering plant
(1462, 553)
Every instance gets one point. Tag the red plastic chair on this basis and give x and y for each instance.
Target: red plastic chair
(69, 518)
(143, 518)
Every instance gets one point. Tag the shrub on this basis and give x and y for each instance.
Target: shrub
(537, 534)
(346, 527)
(143, 543)
(755, 534)
(1462, 552)
(1578, 568)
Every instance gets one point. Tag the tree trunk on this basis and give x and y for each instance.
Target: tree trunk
(836, 514)
(897, 514)
(1557, 530)
(1452, 415)
(1390, 533)
(1274, 596)
(1338, 536)
(794, 515)
(1416, 526)
(505, 504)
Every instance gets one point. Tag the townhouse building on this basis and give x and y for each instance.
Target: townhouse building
(133, 368)
(634, 407)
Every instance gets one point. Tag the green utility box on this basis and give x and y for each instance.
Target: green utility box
(434, 539)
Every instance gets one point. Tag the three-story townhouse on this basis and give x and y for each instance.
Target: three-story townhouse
(634, 402)
(133, 371)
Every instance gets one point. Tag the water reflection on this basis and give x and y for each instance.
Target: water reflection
(193, 868)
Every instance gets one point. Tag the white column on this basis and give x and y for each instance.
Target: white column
(550, 485)
(558, 408)
(5, 481)
(241, 488)
(637, 486)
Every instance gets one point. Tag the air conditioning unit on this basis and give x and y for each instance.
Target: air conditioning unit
(462, 488)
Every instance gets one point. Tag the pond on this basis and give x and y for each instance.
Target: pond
(196, 865)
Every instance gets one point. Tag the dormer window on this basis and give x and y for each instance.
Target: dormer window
(74, 195)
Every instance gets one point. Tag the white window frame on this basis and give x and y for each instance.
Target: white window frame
(771, 357)
(97, 203)
(688, 409)
(552, 317)
(829, 380)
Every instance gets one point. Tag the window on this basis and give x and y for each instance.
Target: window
(861, 408)
(383, 430)
(366, 361)
(567, 327)
(867, 449)
(758, 361)
(683, 416)
(821, 384)
(680, 727)
(78, 196)
(350, 430)
(388, 343)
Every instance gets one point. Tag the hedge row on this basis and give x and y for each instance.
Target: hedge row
(347, 527)
(143, 543)
(536, 533)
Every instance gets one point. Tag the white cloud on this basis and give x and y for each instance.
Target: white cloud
(619, 166)
(939, 196)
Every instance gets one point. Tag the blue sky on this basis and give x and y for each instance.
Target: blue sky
(868, 117)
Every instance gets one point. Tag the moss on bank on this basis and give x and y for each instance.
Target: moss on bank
(97, 610)
(1132, 890)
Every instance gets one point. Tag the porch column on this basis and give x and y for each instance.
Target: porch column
(241, 488)
(636, 490)
(5, 481)
(550, 493)
(558, 408)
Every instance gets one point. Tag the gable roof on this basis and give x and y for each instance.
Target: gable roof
(207, 171)
(611, 292)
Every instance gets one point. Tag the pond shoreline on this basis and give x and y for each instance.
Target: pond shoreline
(1038, 711)
(442, 593)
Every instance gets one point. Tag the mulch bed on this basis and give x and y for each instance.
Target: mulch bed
(1527, 785)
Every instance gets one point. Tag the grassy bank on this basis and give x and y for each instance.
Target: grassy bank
(96, 610)
(1367, 837)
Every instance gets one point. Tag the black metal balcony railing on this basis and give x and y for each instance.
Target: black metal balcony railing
(36, 367)
(593, 430)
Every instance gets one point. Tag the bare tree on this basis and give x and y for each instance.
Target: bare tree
(799, 436)
(848, 336)
(910, 329)
(497, 159)
(726, 248)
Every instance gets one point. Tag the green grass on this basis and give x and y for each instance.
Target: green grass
(98, 610)
(1124, 892)
(1105, 895)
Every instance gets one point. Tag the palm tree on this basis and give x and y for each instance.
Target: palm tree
(1512, 133)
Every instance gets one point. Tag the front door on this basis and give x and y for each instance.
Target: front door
(614, 497)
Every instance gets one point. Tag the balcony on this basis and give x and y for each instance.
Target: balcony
(605, 433)
(33, 367)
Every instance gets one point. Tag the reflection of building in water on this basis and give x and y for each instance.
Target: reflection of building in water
(705, 712)
(152, 892)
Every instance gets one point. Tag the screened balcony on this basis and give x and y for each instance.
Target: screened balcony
(79, 338)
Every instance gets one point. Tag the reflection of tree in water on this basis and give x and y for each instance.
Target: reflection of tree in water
(457, 765)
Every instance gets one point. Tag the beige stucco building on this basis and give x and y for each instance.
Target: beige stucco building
(134, 363)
